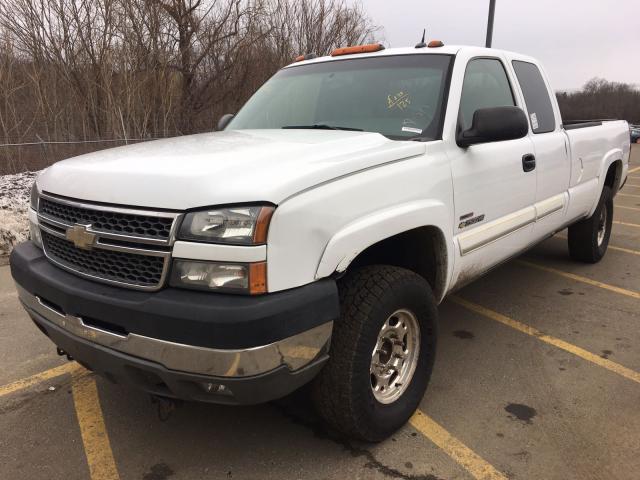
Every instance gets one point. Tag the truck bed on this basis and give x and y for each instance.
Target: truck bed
(575, 124)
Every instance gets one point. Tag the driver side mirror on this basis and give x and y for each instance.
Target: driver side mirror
(494, 125)
(224, 121)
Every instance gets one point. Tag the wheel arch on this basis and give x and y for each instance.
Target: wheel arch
(399, 236)
(610, 174)
(613, 176)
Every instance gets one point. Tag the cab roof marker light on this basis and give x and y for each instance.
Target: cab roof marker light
(306, 56)
(369, 48)
(435, 44)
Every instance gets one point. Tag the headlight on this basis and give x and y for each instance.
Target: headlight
(34, 196)
(229, 277)
(237, 225)
(34, 234)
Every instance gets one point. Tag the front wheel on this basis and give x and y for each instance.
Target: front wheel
(589, 238)
(382, 353)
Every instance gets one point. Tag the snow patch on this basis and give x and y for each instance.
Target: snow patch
(15, 192)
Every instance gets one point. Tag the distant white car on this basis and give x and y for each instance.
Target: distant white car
(313, 238)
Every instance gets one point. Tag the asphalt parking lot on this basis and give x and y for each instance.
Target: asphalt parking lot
(537, 377)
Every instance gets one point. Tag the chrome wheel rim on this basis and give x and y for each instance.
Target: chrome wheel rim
(395, 356)
(602, 225)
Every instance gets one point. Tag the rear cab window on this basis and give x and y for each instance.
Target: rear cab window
(536, 97)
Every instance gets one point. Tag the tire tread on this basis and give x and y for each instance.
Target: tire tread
(333, 393)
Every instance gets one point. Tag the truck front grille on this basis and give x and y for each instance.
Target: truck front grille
(113, 266)
(109, 221)
(127, 247)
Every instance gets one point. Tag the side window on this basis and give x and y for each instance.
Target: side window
(536, 96)
(485, 85)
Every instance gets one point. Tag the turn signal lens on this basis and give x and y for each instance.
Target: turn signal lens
(370, 48)
(262, 225)
(258, 278)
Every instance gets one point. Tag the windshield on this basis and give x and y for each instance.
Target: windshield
(399, 96)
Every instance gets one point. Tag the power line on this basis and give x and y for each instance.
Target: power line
(79, 142)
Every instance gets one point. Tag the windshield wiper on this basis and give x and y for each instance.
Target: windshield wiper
(322, 126)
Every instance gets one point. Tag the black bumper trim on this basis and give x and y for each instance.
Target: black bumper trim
(202, 319)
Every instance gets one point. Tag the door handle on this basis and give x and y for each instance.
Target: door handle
(528, 162)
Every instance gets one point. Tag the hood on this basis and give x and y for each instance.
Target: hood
(221, 168)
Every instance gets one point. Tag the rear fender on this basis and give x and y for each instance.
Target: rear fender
(613, 155)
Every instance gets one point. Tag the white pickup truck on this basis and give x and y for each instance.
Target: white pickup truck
(312, 239)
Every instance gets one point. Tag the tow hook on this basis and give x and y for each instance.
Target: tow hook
(166, 406)
(62, 353)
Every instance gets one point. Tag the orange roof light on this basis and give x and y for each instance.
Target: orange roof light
(435, 44)
(307, 56)
(370, 48)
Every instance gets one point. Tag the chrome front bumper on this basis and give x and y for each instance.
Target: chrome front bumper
(294, 352)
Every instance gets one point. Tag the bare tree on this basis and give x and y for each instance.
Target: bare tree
(135, 69)
(600, 98)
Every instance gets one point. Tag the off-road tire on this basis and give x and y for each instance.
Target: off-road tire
(342, 392)
(584, 245)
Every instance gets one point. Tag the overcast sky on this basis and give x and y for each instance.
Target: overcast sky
(575, 39)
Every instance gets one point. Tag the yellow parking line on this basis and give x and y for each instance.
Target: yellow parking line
(578, 278)
(625, 250)
(556, 342)
(453, 447)
(628, 195)
(634, 185)
(39, 377)
(633, 170)
(97, 447)
(628, 208)
(100, 458)
(613, 247)
(627, 224)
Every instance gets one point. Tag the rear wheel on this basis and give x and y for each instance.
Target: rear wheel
(589, 238)
(382, 353)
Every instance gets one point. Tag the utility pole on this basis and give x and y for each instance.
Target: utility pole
(492, 9)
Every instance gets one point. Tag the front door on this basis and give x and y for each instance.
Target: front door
(493, 193)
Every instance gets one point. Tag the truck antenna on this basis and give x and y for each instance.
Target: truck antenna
(422, 44)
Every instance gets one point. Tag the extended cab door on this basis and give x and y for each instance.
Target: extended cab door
(550, 147)
(493, 185)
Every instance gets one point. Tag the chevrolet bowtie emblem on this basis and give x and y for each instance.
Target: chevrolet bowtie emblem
(80, 237)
